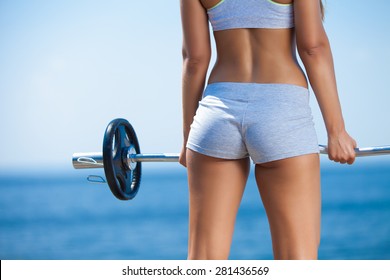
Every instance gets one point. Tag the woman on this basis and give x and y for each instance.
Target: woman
(255, 105)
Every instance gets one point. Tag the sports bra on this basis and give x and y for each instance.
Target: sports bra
(231, 14)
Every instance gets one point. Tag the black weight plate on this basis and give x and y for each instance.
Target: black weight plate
(118, 138)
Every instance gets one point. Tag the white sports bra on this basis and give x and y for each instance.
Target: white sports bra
(231, 14)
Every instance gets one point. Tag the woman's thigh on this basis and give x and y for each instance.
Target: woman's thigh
(291, 194)
(216, 187)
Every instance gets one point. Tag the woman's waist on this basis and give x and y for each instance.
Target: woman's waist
(271, 73)
(257, 91)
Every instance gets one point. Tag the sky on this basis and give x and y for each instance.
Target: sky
(67, 68)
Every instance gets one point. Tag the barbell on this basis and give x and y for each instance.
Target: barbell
(121, 158)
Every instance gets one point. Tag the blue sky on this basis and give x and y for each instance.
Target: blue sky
(68, 67)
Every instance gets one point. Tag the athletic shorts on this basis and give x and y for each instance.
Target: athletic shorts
(267, 122)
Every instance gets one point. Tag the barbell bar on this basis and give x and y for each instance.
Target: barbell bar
(95, 160)
(121, 158)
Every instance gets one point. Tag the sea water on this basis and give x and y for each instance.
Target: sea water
(59, 215)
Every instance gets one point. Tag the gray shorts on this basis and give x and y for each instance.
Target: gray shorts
(264, 121)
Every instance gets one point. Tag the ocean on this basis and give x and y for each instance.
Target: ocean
(59, 215)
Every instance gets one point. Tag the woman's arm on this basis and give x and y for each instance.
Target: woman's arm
(196, 59)
(314, 50)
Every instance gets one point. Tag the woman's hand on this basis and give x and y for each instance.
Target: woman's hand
(182, 156)
(341, 147)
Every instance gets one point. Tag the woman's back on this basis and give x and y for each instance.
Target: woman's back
(253, 55)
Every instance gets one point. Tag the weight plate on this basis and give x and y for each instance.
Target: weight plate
(118, 139)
